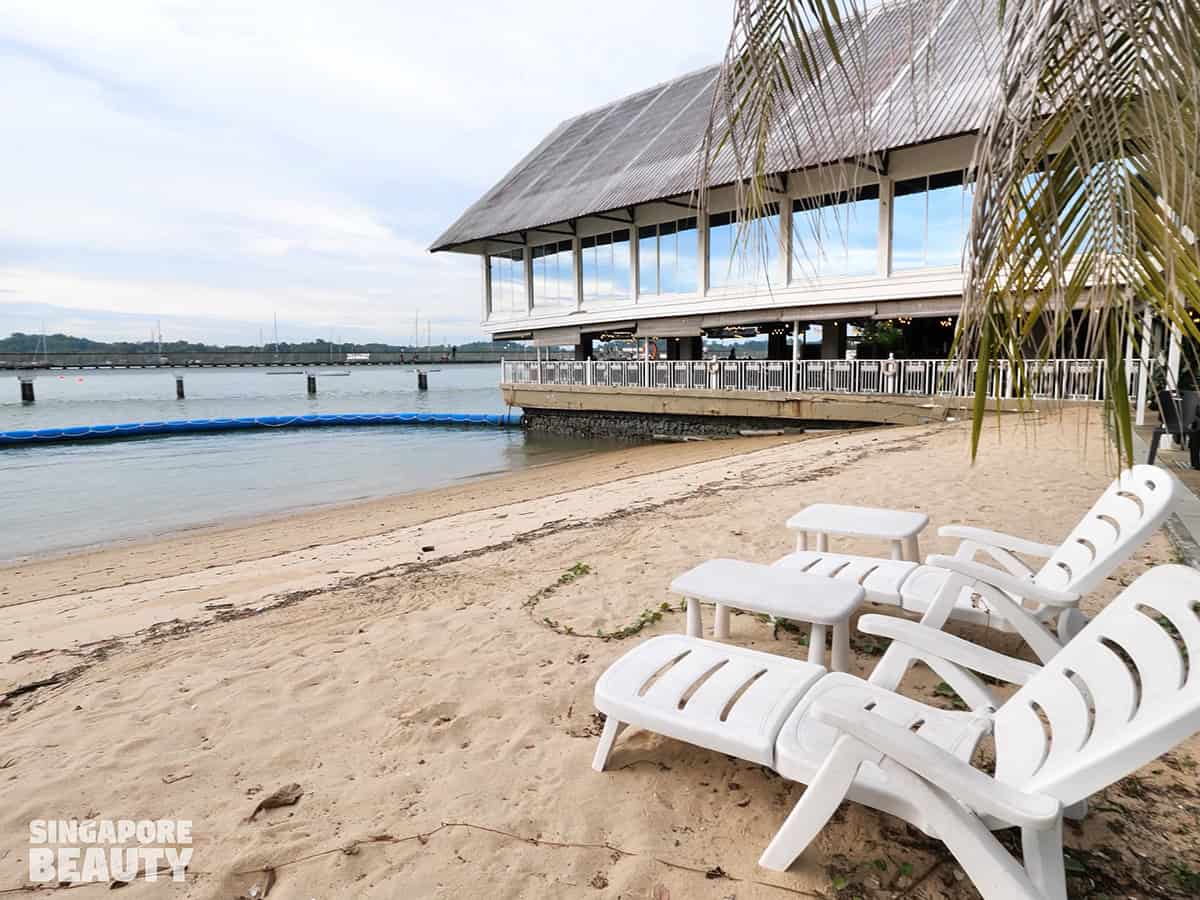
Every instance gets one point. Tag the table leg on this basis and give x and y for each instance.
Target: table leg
(912, 549)
(721, 623)
(802, 542)
(898, 549)
(816, 645)
(822, 542)
(694, 625)
(841, 647)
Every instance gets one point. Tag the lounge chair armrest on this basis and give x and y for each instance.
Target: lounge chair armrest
(997, 539)
(940, 768)
(953, 649)
(1006, 581)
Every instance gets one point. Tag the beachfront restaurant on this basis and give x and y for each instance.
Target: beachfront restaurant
(854, 275)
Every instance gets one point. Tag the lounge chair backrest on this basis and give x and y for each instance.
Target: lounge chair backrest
(1132, 507)
(1122, 692)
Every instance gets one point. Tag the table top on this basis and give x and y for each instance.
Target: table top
(859, 521)
(780, 592)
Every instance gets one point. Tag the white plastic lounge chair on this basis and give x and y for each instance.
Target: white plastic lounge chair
(1038, 605)
(1120, 694)
(1124, 691)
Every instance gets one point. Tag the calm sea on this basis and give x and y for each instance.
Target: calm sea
(60, 497)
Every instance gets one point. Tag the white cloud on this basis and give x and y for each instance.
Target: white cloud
(218, 161)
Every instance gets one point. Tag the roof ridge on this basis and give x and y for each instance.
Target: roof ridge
(659, 87)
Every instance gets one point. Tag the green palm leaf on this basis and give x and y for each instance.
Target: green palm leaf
(1086, 202)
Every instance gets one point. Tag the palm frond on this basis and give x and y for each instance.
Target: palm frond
(1085, 208)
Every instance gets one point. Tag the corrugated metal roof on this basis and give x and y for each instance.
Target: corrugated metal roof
(930, 78)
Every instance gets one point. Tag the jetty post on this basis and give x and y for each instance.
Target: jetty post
(422, 380)
(179, 394)
(26, 388)
(311, 379)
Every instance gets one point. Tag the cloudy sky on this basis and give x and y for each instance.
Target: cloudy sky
(210, 163)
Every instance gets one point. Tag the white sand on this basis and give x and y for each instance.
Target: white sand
(406, 688)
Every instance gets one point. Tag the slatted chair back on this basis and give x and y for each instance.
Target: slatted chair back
(1122, 692)
(1132, 507)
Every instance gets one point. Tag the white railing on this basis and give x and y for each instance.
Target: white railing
(1062, 379)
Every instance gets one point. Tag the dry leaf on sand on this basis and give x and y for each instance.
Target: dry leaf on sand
(285, 796)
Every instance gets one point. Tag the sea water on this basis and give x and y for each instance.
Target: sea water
(58, 497)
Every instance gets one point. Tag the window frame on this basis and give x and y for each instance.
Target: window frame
(731, 217)
(932, 181)
(814, 202)
(607, 239)
(656, 230)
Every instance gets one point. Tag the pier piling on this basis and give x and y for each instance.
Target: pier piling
(26, 390)
(312, 384)
(179, 395)
(422, 380)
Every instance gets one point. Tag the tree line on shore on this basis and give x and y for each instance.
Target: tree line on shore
(19, 342)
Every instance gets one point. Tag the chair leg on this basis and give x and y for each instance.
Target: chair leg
(840, 652)
(721, 623)
(1070, 623)
(1077, 811)
(993, 871)
(612, 730)
(815, 808)
(1043, 852)
(1154, 447)
(816, 645)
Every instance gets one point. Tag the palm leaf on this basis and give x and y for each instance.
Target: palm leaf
(1086, 204)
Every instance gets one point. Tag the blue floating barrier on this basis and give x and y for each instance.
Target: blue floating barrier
(181, 426)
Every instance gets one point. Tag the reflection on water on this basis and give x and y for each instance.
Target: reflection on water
(56, 497)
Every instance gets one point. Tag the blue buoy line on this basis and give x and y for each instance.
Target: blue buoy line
(192, 426)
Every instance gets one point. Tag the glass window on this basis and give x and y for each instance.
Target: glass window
(836, 235)
(553, 278)
(667, 258)
(752, 260)
(930, 218)
(648, 259)
(508, 283)
(605, 261)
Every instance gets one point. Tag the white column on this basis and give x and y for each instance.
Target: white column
(577, 271)
(527, 259)
(634, 261)
(885, 226)
(785, 240)
(1144, 370)
(1174, 351)
(487, 287)
(795, 354)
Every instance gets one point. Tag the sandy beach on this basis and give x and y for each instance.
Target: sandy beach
(407, 662)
